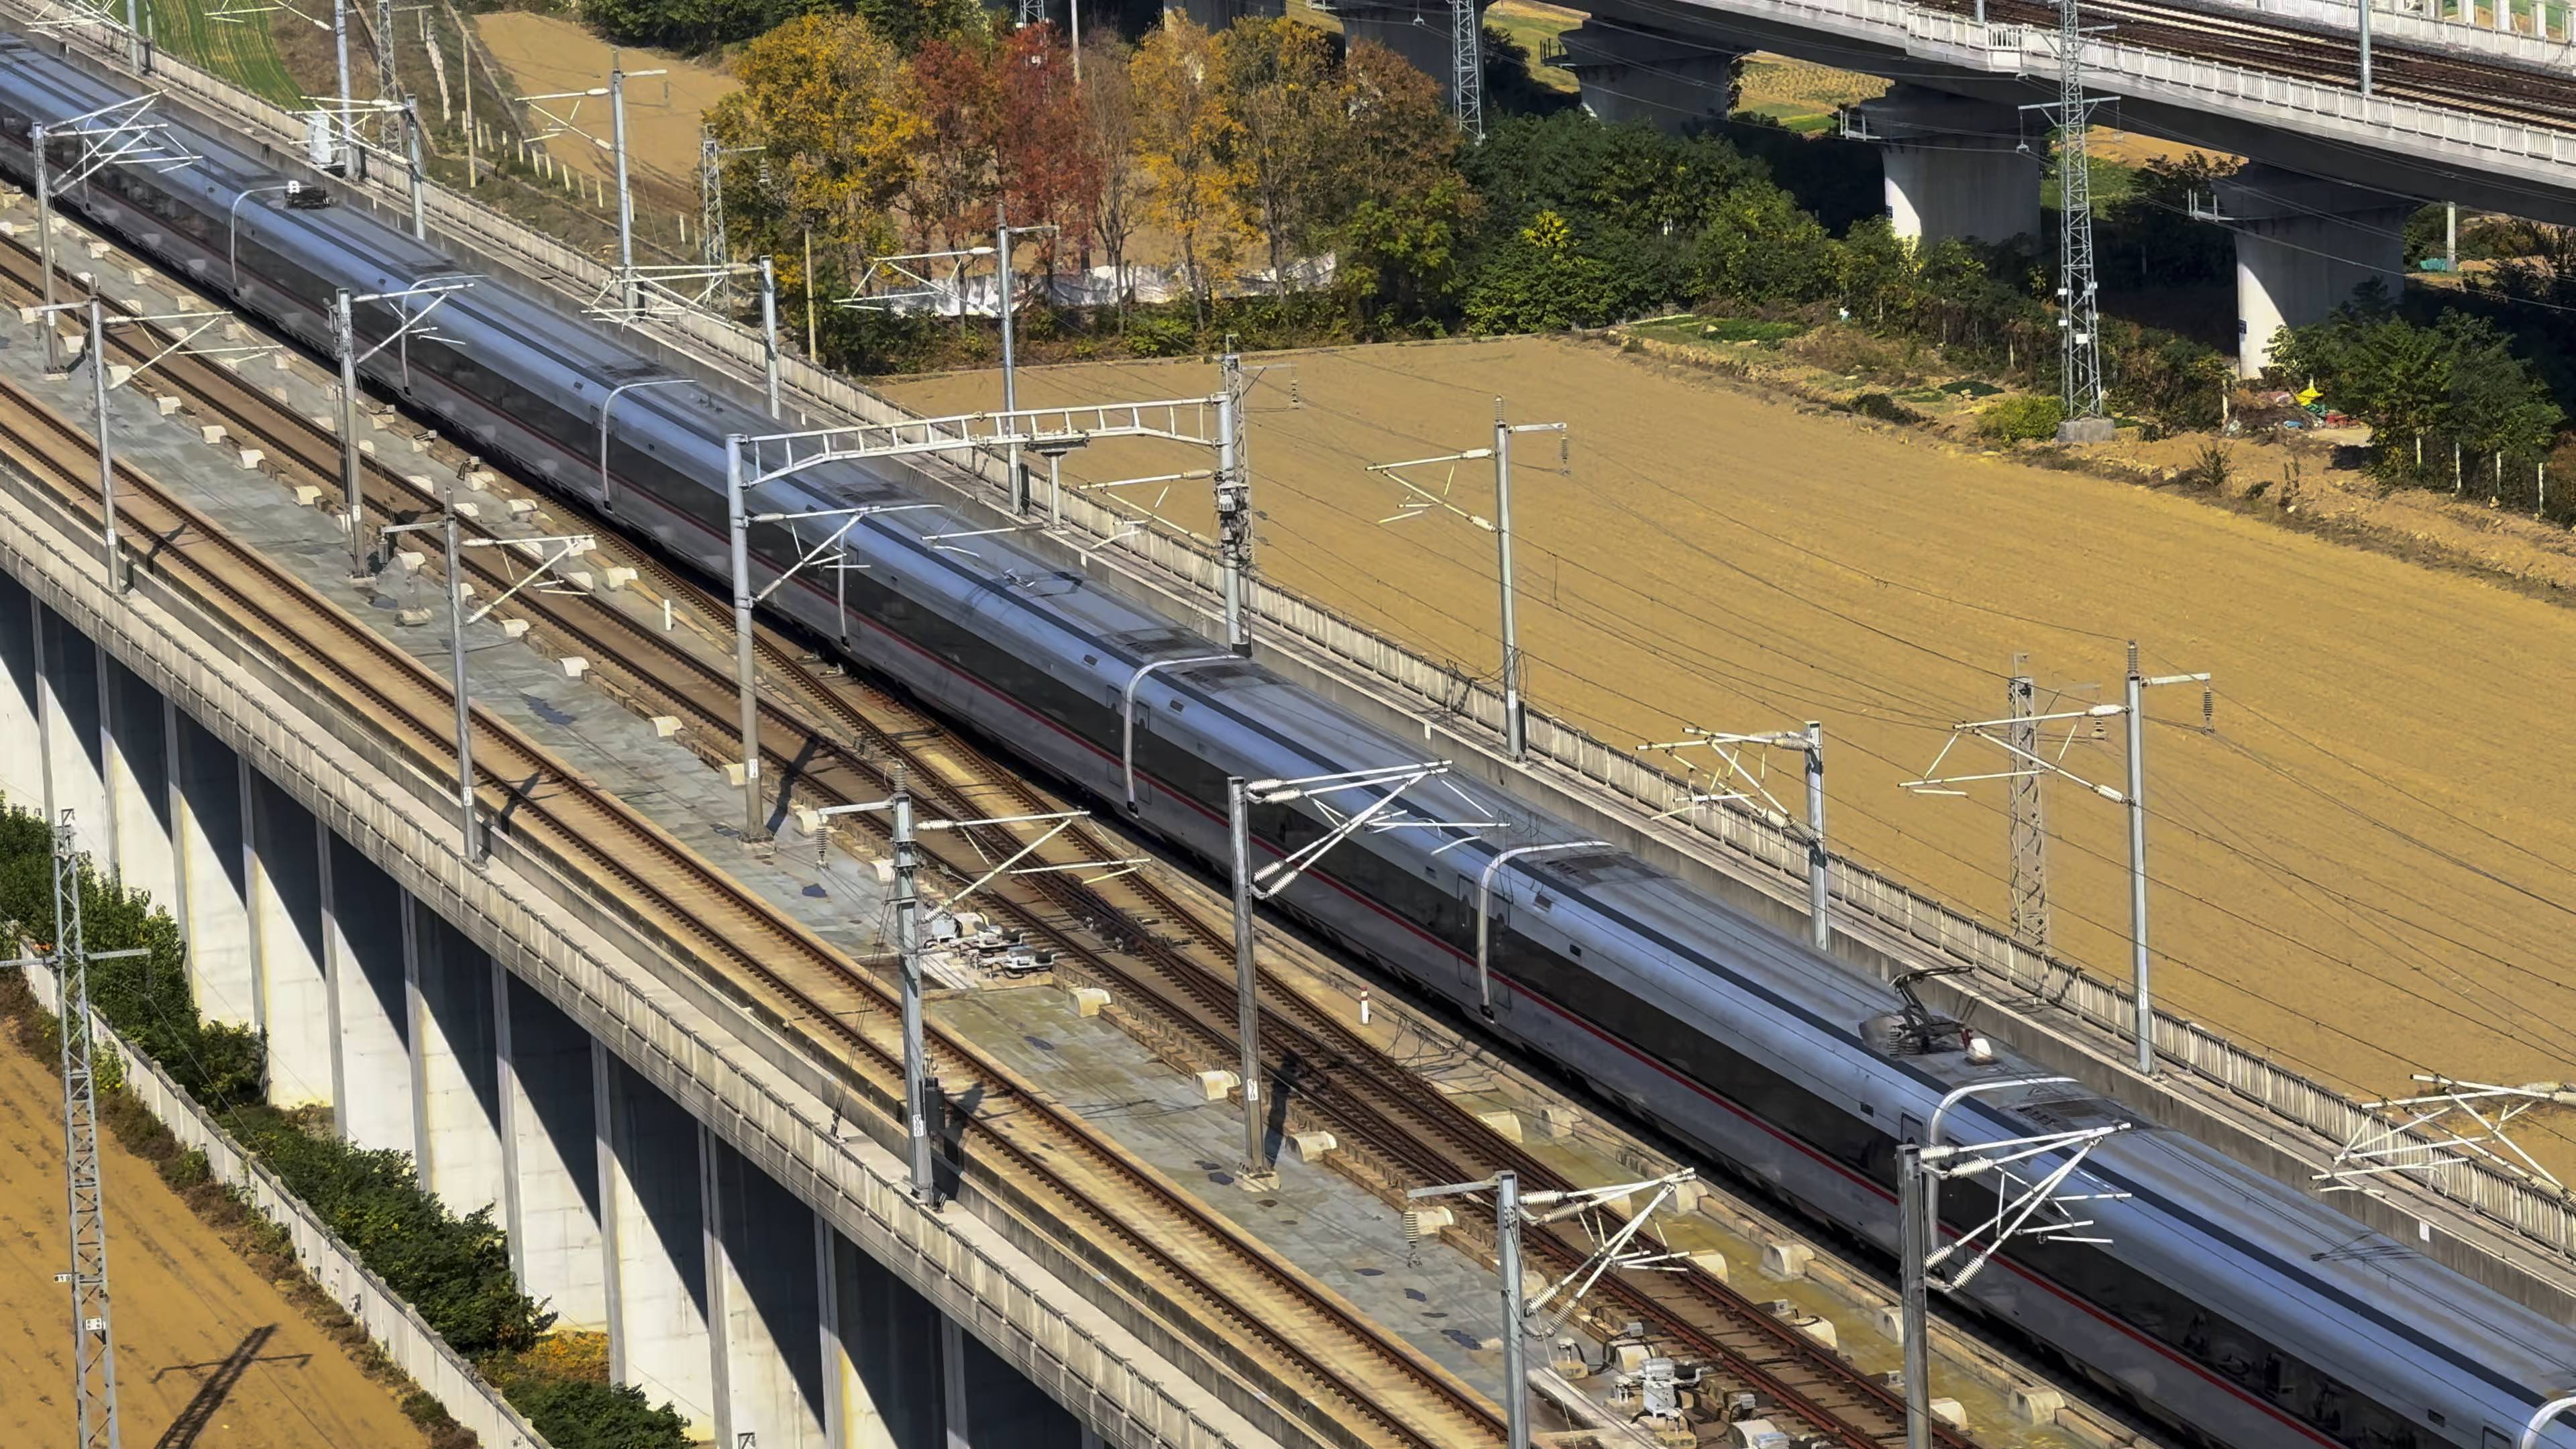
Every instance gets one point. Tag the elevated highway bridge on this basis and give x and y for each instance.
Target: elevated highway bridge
(2480, 115)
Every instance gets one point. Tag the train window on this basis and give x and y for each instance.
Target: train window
(2494, 1439)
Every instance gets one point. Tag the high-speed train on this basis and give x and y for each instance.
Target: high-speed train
(2226, 1307)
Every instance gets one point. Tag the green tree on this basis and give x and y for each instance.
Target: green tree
(833, 108)
(1185, 145)
(1401, 255)
(1281, 92)
(1760, 248)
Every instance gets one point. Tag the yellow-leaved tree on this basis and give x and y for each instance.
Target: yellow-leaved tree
(830, 105)
(1185, 146)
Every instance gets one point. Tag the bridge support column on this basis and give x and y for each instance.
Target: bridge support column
(1954, 166)
(1218, 14)
(68, 692)
(773, 1371)
(653, 1244)
(991, 1406)
(1631, 72)
(362, 946)
(22, 779)
(2303, 244)
(137, 753)
(881, 1355)
(1417, 30)
(210, 838)
(287, 944)
(455, 1071)
(550, 1137)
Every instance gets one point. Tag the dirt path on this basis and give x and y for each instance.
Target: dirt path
(201, 1339)
(544, 54)
(2358, 869)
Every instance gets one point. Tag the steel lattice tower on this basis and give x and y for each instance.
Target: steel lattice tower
(2079, 324)
(1467, 66)
(713, 249)
(2027, 814)
(93, 1346)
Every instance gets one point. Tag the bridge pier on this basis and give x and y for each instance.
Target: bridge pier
(2303, 244)
(212, 908)
(1218, 14)
(656, 1246)
(1955, 167)
(285, 880)
(551, 1157)
(68, 693)
(1632, 72)
(371, 1001)
(1419, 32)
(137, 750)
(771, 1286)
(456, 1076)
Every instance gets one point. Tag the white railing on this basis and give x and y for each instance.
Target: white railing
(1185, 567)
(395, 1325)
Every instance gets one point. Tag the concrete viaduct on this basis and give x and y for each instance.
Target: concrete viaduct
(2333, 173)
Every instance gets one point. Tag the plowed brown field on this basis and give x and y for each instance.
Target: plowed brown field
(208, 1353)
(2359, 870)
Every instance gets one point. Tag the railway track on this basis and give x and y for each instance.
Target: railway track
(2503, 92)
(1344, 1376)
(844, 744)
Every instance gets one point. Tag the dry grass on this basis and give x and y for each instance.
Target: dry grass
(2356, 870)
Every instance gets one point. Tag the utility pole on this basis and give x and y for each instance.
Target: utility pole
(2027, 753)
(85, 1189)
(1509, 1216)
(106, 454)
(1467, 67)
(2140, 960)
(1255, 884)
(712, 247)
(625, 196)
(2027, 818)
(38, 138)
(769, 332)
(349, 165)
(755, 828)
(2029, 1203)
(2078, 316)
(1002, 301)
(468, 822)
(1247, 990)
(411, 135)
(1914, 1244)
(907, 935)
(2364, 7)
(1820, 862)
(1233, 506)
(344, 340)
(1420, 499)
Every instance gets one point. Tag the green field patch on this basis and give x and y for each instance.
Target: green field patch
(241, 51)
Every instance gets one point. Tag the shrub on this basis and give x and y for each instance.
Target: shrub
(1166, 334)
(561, 1384)
(2211, 469)
(1884, 408)
(2022, 419)
(455, 1271)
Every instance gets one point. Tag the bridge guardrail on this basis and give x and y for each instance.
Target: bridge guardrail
(2328, 1117)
